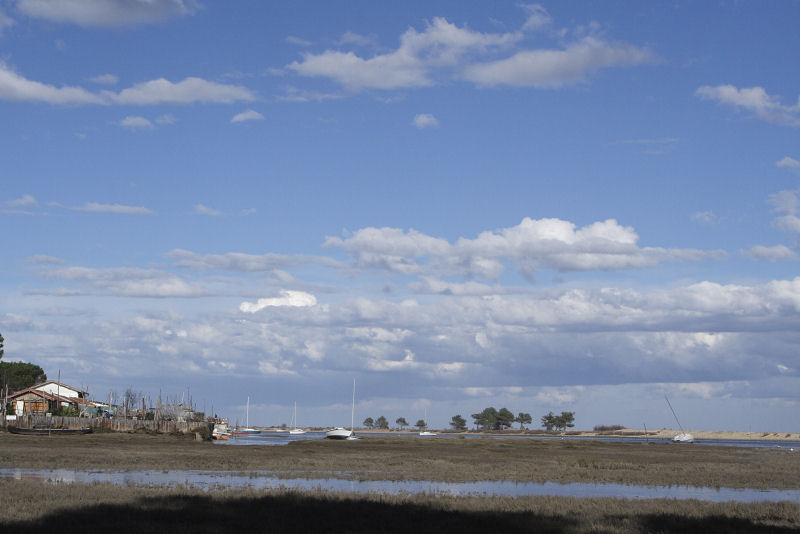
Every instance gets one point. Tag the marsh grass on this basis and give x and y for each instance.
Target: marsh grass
(409, 458)
(31, 506)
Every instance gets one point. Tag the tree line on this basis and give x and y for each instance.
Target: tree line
(489, 419)
(383, 424)
(493, 419)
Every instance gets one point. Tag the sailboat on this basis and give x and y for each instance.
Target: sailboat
(343, 433)
(294, 429)
(683, 437)
(246, 431)
(426, 432)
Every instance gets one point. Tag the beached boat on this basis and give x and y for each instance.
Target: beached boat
(221, 431)
(340, 432)
(47, 431)
(682, 437)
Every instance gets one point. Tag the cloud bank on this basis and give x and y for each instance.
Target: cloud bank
(106, 13)
(445, 51)
(192, 90)
(534, 244)
(755, 100)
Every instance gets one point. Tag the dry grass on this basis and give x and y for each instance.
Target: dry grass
(30, 506)
(408, 458)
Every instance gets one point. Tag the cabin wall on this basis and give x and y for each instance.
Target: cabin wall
(55, 389)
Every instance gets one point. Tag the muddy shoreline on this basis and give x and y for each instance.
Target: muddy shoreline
(664, 433)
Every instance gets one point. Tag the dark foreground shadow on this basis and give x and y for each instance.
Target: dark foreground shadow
(298, 513)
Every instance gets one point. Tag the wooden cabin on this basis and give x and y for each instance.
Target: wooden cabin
(35, 402)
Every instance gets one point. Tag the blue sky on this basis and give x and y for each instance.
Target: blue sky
(556, 206)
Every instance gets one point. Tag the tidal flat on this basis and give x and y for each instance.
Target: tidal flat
(411, 458)
(31, 505)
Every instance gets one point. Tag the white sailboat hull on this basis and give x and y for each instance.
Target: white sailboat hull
(338, 433)
(343, 433)
(683, 437)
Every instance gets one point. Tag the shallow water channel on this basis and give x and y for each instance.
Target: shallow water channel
(210, 480)
(284, 438)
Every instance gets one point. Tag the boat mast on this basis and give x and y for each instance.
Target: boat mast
(353, 409)
(247, 414)
(673, 413)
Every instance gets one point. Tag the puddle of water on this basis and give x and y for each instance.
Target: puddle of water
(267, 480)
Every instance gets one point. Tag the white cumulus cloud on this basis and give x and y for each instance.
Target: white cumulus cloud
(753, 99)
(16, 87)
(425, 120)
(25, 201)
(135, 122)
(531, 245)
(789, 163)
(444, 50)
(555, 68)
(288, 298)
(249, 115)
(200, 209)
(187, 91)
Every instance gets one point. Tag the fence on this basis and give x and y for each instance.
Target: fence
(117, 424)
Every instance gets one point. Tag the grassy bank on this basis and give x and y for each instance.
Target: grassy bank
(395, 458)
(29, 506)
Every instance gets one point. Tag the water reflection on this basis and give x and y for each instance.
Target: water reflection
(270, 438)
(267, 480)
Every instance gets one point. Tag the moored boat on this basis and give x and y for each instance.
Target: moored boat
(340, 432)
(426, 432)
(246, 430)
(294, 430)
(47, 431)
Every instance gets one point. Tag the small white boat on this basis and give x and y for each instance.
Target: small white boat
(683, 437)
(338, 433)
(294, 430)
(343, 433)
(426, 433)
